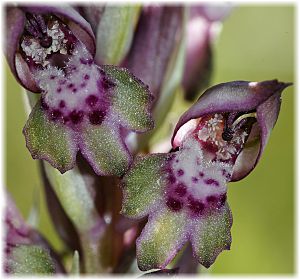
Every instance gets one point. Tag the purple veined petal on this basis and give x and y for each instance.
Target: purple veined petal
(15, 22)
(240, 97)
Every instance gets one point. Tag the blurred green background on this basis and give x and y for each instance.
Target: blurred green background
(256, 43)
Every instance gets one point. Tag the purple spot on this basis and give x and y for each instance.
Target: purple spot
(82, 85)
(194, 179)
(177, 160)
(211, 199)
(201, 174)
(55, 114)
(106, 83)
(180, 172)
(62, 104)
(70, 85)
(86, 76)
(196, 206)
(86, 61)
(44, 104)
(91, 100)
(174, 204)
(66, 119)
(76, 116)
(172, 156)
(7, 250)
(74, 90)
(168, 170)
(211, 182)
(96, 117)
(180, 189)
(226, 174)
(171, 179)
(72, 68)
(58, 90)
(62, 82)
(52, 77)
(223, 198)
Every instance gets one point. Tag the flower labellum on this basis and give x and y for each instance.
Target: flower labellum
(83, 106)
(184, 192)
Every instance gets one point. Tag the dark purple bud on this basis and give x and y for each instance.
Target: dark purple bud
(157, 36)
(202, 30)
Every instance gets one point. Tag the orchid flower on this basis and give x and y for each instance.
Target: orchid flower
(25, 243)
(220, 139)
(83, 106)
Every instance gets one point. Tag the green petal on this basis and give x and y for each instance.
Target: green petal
(161, 239)
(211, 236)
(30, 260)
(60, 151)
(130, 100)
(143, 185)
(114, 40)
(104, 149)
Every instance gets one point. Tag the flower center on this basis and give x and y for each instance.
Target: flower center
(228, 132)
(44, 36)
(224, 136)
